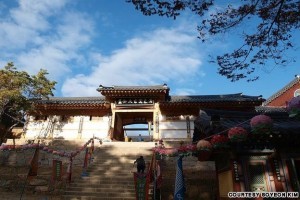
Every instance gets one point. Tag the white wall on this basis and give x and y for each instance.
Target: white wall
(98, 127)
(69, 129)
(175, 129)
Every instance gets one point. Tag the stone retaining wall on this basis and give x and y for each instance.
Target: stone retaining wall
(15, 163)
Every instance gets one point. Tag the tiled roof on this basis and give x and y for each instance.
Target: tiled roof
(283, 90)
(283, 124)
(173, 99)
(215, 98)
(281, 121)
(73, 100)
(270, 109)
(116, 88)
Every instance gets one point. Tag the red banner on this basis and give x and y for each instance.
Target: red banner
(141, 182)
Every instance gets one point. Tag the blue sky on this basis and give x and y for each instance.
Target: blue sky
(85, 43)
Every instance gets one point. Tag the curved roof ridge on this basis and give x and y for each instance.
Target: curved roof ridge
(134, 87)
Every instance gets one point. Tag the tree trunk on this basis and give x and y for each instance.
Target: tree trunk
(3, 137)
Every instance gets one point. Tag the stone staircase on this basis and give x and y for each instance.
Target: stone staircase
(110, 175)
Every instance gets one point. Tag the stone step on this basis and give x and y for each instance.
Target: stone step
(100, 194)
(110, 175)
(101, 189)
(107, 186)
(98, 177)
(125, 183)
(74, 197)
(121, 159)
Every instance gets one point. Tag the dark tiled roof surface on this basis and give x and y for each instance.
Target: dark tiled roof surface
(270, 109)
(283, 90)
(154, 87)
(279, 124)
(281, 120)
(215, 98)
(73, 100)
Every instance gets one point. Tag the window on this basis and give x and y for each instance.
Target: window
(297, 93)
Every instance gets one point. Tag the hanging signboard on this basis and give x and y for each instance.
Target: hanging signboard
(56, 170)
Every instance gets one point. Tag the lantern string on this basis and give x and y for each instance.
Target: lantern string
(219, 133)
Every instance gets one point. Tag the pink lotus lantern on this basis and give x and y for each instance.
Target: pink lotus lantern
(261, 124)
(167, 151)
(4, 147)
(45, 148)
(293, 107)
(219, 141)
(237, 134)
(204, 145)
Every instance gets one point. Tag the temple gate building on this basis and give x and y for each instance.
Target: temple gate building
(106, 116)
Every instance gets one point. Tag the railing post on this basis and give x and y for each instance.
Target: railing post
(69, 171)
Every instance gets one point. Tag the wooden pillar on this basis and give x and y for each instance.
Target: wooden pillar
(188, 127)
(149, 130)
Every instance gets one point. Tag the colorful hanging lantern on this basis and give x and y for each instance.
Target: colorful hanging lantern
(219, 141)
(237, 134)
(293, 107)
(204, 145)
(166, 151)
(4, 147)
(261, 124)
(204, 148)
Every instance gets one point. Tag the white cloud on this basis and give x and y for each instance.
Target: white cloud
(24, 24)
(44, 34)
(41, 34)
(64, 46)
(159, 56)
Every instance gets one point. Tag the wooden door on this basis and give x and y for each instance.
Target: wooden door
(256, 174)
